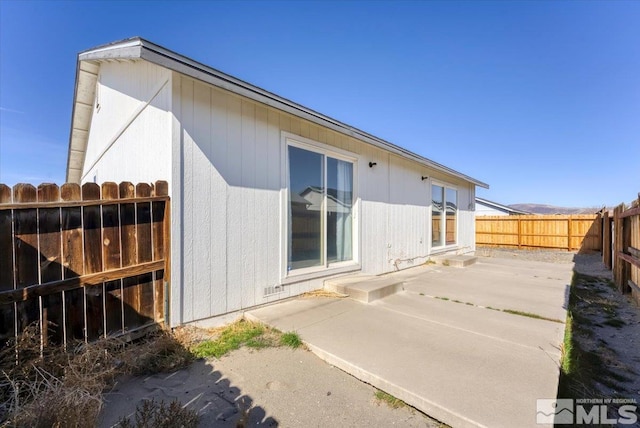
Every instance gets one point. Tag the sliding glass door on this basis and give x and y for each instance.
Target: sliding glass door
(320, 231)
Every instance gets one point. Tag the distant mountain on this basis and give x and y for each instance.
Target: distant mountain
(551, 209)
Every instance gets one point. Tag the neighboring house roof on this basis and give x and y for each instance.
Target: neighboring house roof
(500, 207)
(331, 194)
(314, 197)
(138, 48)
(451, 206)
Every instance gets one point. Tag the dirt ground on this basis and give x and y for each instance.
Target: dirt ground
(611, 330)
(549, 256)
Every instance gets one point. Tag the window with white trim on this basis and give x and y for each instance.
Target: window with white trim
(320, 230)
(444, 216)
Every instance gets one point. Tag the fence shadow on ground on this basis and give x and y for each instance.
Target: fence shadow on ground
(200, 387)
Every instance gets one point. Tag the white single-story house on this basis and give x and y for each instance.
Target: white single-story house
(268, 198)
(487, 207)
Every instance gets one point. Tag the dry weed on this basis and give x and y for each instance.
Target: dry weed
(323, 293)
(55, 386)
(154, 414)
(52, 402)
(159, 352)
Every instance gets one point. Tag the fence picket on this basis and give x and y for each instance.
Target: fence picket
(110, 228)
(158, 209)
(128, 225)
(130, 286)
(25, 247)
(73, 262)
(112, 253)
(144, 243)
(143, 224)
(92, 229)
(50, 254)
(6, 241)
(7, 312)
(92, 226)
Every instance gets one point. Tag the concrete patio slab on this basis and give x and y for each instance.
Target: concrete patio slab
(460, 363)
(527, 286)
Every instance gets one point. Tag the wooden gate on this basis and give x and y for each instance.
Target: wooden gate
(83, 262)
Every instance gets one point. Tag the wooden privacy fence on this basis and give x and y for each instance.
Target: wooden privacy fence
(83, 262)
(569, 232)
(626, 249)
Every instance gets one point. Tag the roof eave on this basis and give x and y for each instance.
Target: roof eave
(82, 111)
(139, 48)
(181, 64)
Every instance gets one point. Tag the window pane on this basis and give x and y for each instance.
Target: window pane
(451, 198)
(306, 195)
(339, 204)
(437, 207)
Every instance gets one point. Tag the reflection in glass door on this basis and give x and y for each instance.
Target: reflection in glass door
(451, 204)
(444, 216)
(320, 229)
(437, 205)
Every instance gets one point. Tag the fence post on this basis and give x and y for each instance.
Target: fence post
(163, 188)
(519, 233)
(7, 312)
(626, 243)
(606, 240)
(617, 246)
(26, 255)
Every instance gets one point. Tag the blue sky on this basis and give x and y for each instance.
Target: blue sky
(539, 99)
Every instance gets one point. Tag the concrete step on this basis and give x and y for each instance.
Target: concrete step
(455, 260)
(365, 288)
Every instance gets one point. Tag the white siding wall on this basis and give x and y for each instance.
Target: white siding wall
(227, 202)
(467, 218)
(132, 122)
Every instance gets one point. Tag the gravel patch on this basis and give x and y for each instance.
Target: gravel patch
(587, 264)
(549, 256)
